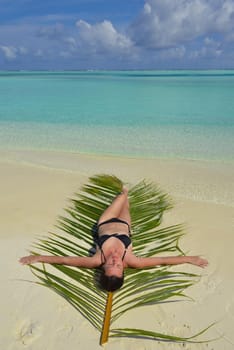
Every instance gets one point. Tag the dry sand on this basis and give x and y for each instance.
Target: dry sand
(36, 186)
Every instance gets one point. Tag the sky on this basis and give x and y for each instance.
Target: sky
(116, 34)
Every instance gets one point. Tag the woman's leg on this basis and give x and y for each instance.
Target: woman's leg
(116, 207)
(125, 214)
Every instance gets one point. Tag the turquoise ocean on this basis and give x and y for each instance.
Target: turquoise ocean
(153, 114)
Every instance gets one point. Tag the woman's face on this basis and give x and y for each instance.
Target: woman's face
(113, 266)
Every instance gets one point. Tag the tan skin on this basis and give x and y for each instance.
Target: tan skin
(113, 248)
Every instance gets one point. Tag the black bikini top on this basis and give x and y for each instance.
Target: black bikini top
(123, 238)
(126, 240)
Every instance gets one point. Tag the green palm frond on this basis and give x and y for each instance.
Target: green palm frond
(142, 287)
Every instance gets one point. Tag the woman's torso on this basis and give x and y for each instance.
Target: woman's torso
(113, 229)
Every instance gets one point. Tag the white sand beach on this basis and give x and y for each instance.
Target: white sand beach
(36, 186)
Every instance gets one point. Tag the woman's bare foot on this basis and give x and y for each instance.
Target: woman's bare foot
(125, 190)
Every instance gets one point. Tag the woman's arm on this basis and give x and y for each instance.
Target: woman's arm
(137, 262)
(88, 262)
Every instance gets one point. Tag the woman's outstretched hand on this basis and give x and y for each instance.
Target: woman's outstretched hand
(198, 261)
(30, 259)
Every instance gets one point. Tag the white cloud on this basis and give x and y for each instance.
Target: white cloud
(9, 52)
(166, 23)
(102, 37)
(12, 52)
(225, 17)
(71, 42)
(210, 48)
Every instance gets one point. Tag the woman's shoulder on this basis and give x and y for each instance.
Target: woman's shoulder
(130, 258)
(95, 257)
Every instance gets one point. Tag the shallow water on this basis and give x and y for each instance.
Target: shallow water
(179, 114)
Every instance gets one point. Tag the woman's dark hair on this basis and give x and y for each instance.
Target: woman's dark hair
(111, 283)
